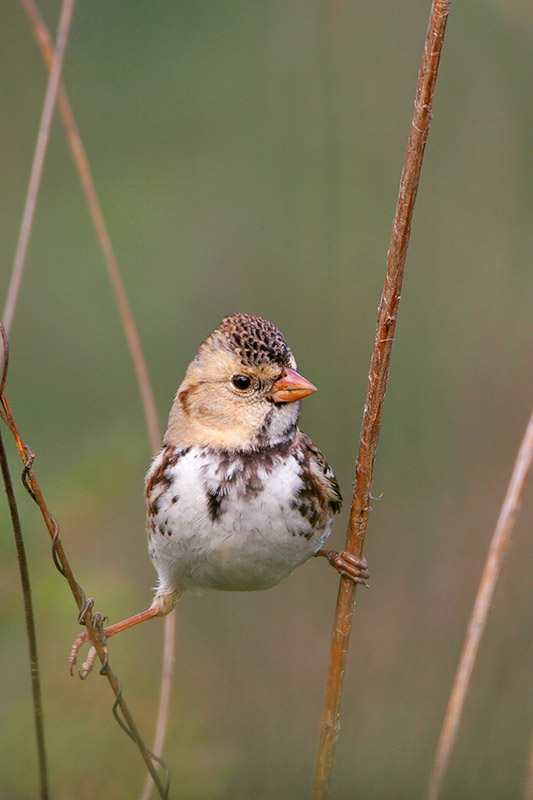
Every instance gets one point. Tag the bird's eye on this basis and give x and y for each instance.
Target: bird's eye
(241, 381)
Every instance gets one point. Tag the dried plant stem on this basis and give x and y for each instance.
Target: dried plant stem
(145, 389)
(528, 790)
(82, 164)
(480, 611)
(43, 136)
(379, 369)
(93, 623)
(54, 60)
(30, 625)
(38, 162)
(164, 696)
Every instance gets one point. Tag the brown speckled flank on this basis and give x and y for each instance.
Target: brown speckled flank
(159, 478)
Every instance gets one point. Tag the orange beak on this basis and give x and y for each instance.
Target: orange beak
(291, 386)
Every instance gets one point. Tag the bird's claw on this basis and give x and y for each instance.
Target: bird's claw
(88, 664)
(75, 649)
(162, 604)
(348, 565)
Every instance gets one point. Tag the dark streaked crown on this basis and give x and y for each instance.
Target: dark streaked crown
(255, 340)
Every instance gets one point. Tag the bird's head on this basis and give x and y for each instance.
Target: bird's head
(241, 390)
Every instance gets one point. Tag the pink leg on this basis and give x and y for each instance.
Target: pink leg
(161, 605)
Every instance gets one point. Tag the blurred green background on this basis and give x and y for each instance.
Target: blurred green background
(247, 156)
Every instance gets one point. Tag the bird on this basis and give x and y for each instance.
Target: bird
(238, 497)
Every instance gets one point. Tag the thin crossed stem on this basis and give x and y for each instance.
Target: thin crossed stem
(54, 60)
(82, 165)
(81, 161)
(43, 136)
(92, 622)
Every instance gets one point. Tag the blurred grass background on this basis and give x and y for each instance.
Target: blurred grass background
(247, 157)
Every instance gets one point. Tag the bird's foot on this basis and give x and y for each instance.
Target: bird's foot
(162, 604)
(348, 565)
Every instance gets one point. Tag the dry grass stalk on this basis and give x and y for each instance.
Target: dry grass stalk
(528, 791)
(82, 164)
(43, 135)
(164, 696)
(379, 368)
(480, 611)
(81, 161)
(92, 622)
(30, 625)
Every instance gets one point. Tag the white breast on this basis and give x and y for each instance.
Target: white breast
(229, 524)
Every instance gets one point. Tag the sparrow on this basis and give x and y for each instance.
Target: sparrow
(238, 496)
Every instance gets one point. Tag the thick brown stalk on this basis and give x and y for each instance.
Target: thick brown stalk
(43, 135)
(379, 370)
(478, 619)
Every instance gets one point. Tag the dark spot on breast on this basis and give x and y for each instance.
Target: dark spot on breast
(175, 499)
(214, 501)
